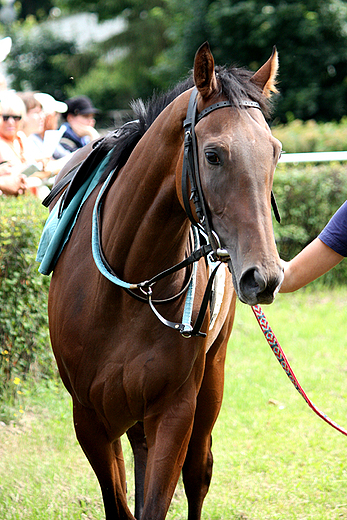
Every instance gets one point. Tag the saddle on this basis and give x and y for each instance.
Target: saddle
(75, 177)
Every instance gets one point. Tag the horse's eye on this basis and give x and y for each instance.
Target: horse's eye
(212, 158)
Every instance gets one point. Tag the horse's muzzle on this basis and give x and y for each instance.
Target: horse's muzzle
(254, 288)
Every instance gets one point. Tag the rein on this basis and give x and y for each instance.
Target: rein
(281, 358)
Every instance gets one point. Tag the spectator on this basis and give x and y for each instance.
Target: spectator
(34, 118)
(14, 149)
(46, 141)
(51, 108)
(80, 122)
(40, 132)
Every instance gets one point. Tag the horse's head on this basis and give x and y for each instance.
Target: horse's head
(237, 156)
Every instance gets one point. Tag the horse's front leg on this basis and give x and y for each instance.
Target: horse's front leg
(197, 469)
(167, 437)
(137, 439)
(106, 459)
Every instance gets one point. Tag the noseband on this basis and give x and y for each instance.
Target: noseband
(191, 171)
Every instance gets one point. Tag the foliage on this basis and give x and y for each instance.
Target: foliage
(39, 60)
(157, 45)
(310, 36)
(311, 39)
(38, 8)
(307, 197)
(24, 339)
(127, 73)
(310, 136)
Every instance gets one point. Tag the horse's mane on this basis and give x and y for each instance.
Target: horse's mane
(234, 83)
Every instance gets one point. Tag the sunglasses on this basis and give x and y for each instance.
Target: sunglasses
(7, 117)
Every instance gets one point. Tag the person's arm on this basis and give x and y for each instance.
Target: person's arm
(311, 263)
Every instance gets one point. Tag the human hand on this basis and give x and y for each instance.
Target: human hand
(13, 184)
(82, 129)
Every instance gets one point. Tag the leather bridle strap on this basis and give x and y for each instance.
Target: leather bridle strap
(191, 167)
(221, 104)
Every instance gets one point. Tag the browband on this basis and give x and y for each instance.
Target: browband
(222, 104)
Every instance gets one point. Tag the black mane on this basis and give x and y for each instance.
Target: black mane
(234, 83)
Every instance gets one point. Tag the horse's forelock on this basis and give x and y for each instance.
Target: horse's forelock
(237, 86)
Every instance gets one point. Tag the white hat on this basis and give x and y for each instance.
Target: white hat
(5, 47)
(49, 104)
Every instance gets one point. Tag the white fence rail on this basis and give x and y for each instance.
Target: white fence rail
(313, 157)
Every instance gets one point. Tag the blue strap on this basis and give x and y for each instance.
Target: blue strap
(188, 308)
(96, 243)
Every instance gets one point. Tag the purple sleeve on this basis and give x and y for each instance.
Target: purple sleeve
(334, 235)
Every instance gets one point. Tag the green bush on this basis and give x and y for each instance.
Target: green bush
(307, 197)
(24, 340)
(310, 136)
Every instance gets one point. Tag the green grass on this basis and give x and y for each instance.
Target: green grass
(273, 457)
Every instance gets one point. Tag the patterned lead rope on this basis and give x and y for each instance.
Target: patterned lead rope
(277, 350)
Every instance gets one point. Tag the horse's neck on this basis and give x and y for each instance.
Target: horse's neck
(144, 224)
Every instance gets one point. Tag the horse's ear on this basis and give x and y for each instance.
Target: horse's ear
(204, 74)
(265, 77)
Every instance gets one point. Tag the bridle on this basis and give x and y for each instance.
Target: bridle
(191, 172)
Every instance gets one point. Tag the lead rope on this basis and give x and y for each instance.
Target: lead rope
(277, 350)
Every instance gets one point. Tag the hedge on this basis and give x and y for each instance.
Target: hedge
(307, 197)
(310, 136)
(24, 340)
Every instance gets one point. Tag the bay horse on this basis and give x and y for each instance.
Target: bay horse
(126, 370)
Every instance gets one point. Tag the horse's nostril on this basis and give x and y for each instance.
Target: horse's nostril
(259, 281)
(252, 284)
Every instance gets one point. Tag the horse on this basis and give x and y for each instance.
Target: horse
(130, 368)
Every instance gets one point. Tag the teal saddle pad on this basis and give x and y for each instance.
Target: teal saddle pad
(59, 226)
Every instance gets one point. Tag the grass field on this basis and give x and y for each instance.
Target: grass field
(273, 457)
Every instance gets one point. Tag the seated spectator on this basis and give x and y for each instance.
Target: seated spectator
(51, 108)
(34, 118)
(46, 139)
(16, 155)
(41, 119)
(80, 122)
(14, 149)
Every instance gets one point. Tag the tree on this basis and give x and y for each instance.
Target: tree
(39, 61)
(159, 40)
(127, 60)
(311, 39)
(38, 8)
